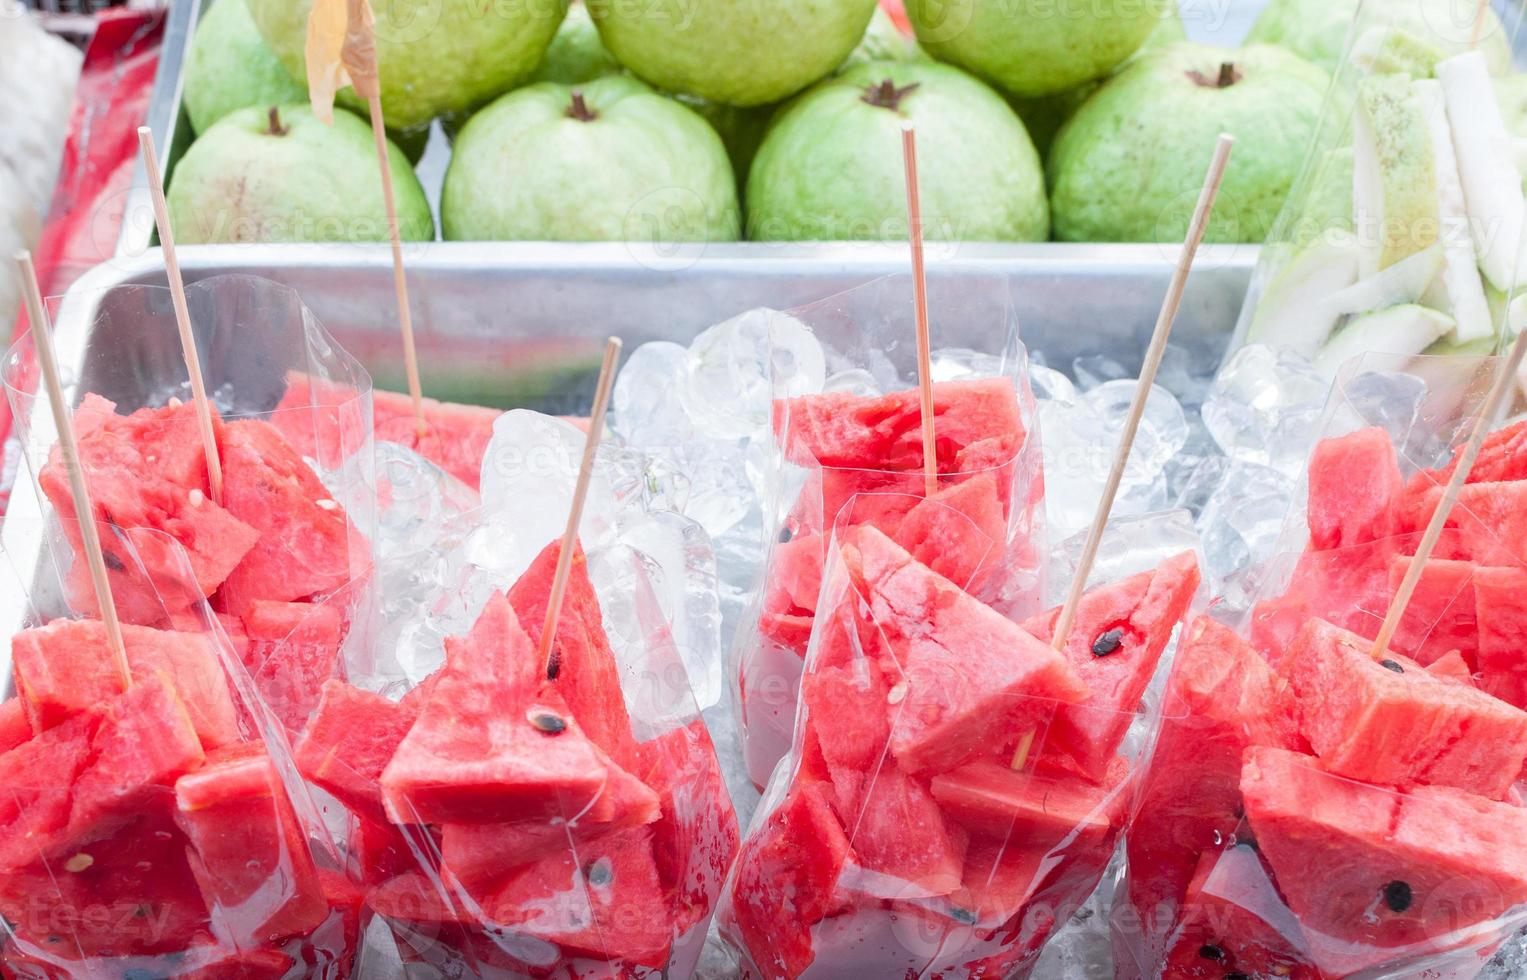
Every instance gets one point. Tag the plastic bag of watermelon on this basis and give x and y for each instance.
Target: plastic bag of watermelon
(1312, 811)
(862, 435)
(527, 814)
(956, 786)
(285, 553)
(157, 827)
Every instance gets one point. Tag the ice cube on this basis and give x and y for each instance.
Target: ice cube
(1077, 451)
(645, 408)
(736, 369)
(855, 381)
(1241, 508)
(1187, 372)
(1092, 370)
(1050, 385)
(1265, 407)
(960, 363)
(1162, 432)
(1390, 400)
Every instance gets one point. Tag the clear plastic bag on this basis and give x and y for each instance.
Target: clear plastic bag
(157, 828)
(1310, 811)
(955, 787)
(862, 435)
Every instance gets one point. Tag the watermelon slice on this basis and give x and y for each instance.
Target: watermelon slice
(1500, 598)
(785, 881)
(1001, 877)
(1453, 666)
(902, 847)
(489, 747)
(1394, 724)
(845, 708)
(1377, 877)
(14, 727)
(292, 648)
(249, 853)
(957, 530)
(1237, 923)
(1490, 521)
(348, 743)
(883, 432)
(1037, 810)
(1354, 490)
(307, 546)
(1348, 587)
(1120, 633)
(38, 778)
(1221, 697)
(584, 669)
(949, 706)
(455, 438)
(63, 669)
(1440, 616)
(1502, 459)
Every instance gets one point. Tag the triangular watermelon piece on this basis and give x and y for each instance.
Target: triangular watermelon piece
(902, 847)
(14, 727)
(1440, 615)
(307, 546)
(957, 530)
(846, 709)
(951, 705)
(1378, 877)
(1500, 600)
(785, 881)
(249, 852)
(1394, 724)
(64, 668)
(489, 747)
(349, 741)
(1120, 633)
(1236, 923)
(292, 649)
(1354, 490)
(39, 777)
(584, 670)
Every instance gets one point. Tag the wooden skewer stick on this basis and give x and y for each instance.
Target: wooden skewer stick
(580, 496)
(182, 314)
(84, 511)
(1148, 370)
(1494, 399)
(920, 304)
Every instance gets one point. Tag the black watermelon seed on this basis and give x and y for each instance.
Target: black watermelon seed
(1397, 896)
(600, 873)
(1108, 642)
(785, 535)
(554, 664)
(112, 561)
(1391, 665)
(550, 724)
(1209, 951)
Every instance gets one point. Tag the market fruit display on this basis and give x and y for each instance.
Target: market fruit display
(1128, 164)
(434, 57)
(278, 174)
(830, 165)
(737, 52)
(229, 66)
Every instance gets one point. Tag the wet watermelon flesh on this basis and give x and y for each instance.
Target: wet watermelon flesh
(1140, 613)
(966, 673)
(14, 727)
(1376, 876)
(902, 846)
(1039, 811)
(1221, 697)
(846, 708)
(884, 432)
(587, 675)
(957, 530)
(1401, 728)
(39, 778)
(249, 853)
(291, 649)
(476, 755)
(1440, 616)
(1354, 490)
(1452, 665)
(1490, 522)
(64, 668)
(307, 546)
(785, 880)
(1001, 876)
(253, 964)
(1500, 597)
(347, 744)
(1502, 458)
(1236, 923)
(325, 420)
(1348, 587)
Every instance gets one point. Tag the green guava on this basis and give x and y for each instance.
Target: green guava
(882, 41)
(281, 175)
(1316, 30)
(830, 167)
(434, 56)
(230, 67)
(737, 52)
(608, 161)
(741, 129)
(1128, 166)
(1032, 48)
(576, 53)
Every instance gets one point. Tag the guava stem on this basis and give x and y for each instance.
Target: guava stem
(274, 120)
(1228, 76)
(886, 95)
(580, 110)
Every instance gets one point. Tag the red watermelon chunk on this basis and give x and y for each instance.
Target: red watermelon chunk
(1001, 877)
(964, 674)
(583, 666)
(957, 530)
(253, 964)
(846, 709)
(1453, 666)
(1120, 633)
(455, 437)
(1348, 587)
(348, 743)
(1401, 727)
(307, 546)
(884, 432)
(902, 847)
(1490, 521)
(1236, 923)
(785, 881)
(1375, 876)
(1502, 458)
(1037, 810)
(292, 649)
(39, 778)
(1354, 490)
(64, 668)
(14, 727)
(489, 747)
(249, 853)
(1500, 598)
(324, 420)
(1440, 616)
